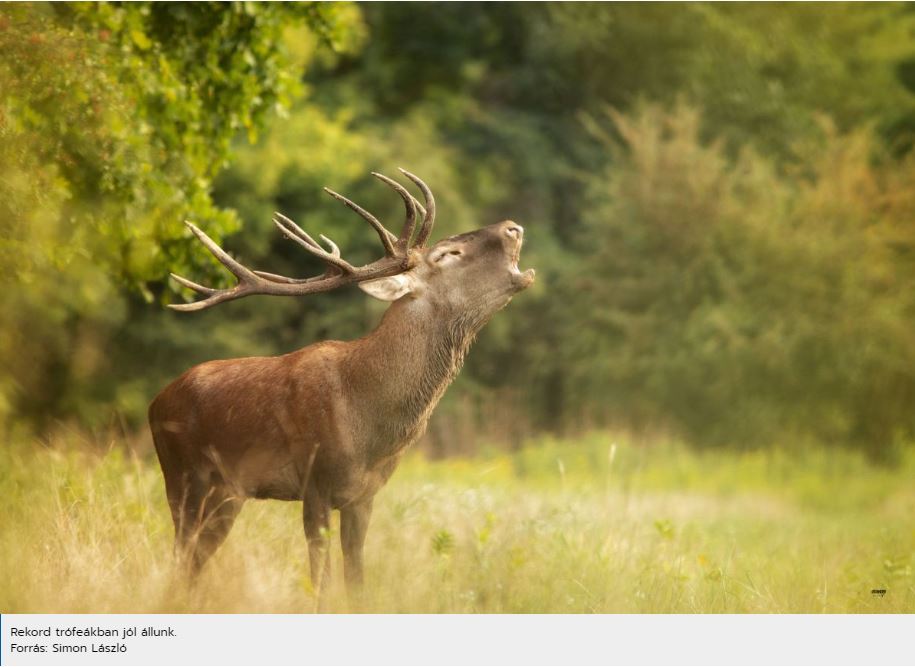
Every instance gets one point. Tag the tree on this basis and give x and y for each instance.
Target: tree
(115, 119)
(740, 304)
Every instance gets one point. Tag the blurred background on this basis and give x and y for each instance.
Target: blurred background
(706, 402)
(719, 203)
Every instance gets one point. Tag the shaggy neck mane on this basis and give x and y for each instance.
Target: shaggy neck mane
(411, 358)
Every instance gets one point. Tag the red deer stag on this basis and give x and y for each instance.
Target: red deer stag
(327, 424)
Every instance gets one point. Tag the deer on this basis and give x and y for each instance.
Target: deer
(326, 425)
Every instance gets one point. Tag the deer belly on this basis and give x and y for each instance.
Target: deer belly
(279, 482)
(275, 490)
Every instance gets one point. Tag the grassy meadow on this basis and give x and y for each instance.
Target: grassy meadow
(717, 199)
(598, 524)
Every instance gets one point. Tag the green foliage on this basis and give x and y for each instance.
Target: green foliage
(116, 118)
(132, 108)
(726, 255)
(740, 302)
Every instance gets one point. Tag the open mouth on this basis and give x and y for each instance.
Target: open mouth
(521, 279)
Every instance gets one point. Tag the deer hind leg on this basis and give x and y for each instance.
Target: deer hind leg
(203, 514)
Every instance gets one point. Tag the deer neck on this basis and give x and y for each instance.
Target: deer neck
(404, 366)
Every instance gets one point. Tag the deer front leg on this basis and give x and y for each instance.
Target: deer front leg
(316, 518)
(354, 522)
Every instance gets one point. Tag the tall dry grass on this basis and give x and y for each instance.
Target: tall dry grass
(592, 525)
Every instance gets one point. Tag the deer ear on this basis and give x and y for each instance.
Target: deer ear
(391, 288)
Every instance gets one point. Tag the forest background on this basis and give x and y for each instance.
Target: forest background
(718, 200)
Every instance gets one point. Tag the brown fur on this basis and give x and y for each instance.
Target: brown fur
(327, 424)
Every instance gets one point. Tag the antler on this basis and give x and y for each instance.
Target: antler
(338, 272)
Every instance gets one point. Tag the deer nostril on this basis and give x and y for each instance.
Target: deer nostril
(513, 231)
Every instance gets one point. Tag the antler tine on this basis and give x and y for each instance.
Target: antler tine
(387, 238)
(295, 229)
(403, 242)
(190, 284)
(218, 297)
(239, 271)
(419, 207)
(276, 278)
(334, 249)
(246, 278)
(428, 214)
(331, 258)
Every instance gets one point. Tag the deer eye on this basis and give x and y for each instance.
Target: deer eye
(449, 253)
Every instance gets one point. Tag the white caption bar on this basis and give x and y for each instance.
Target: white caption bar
(127, 639)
